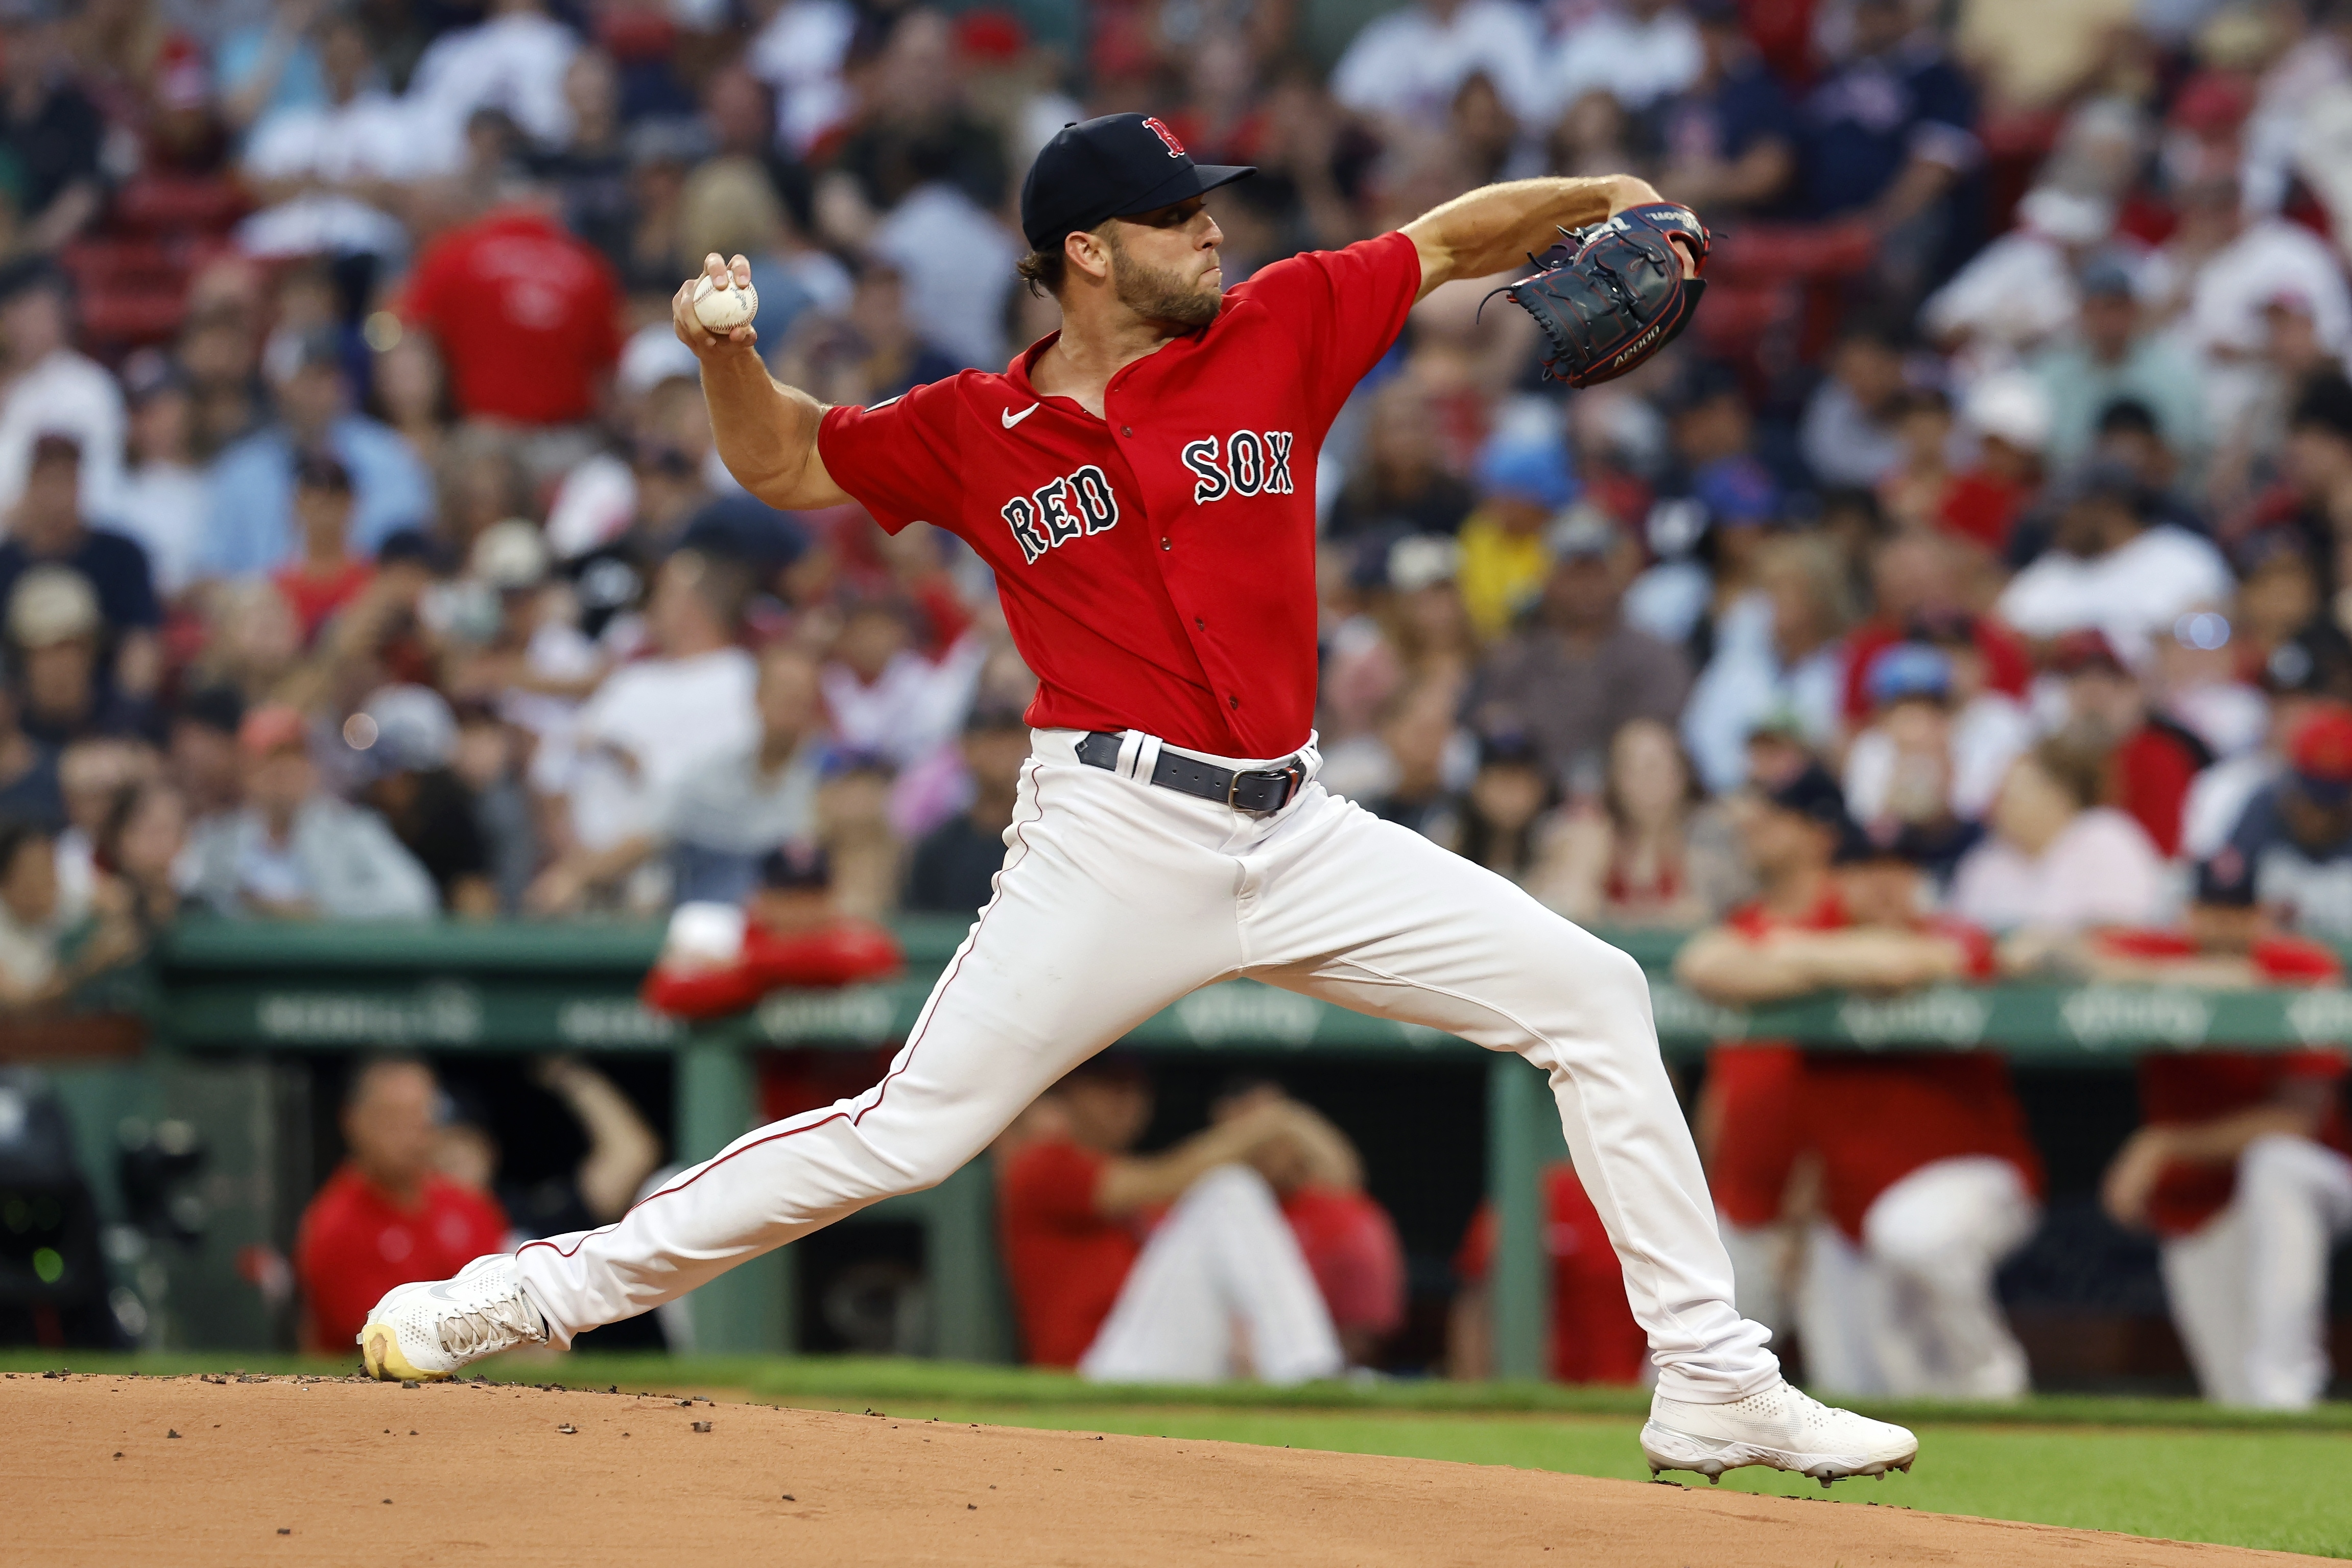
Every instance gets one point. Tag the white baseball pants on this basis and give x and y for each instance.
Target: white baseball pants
(1118, 897)
(1911, 1311)
(2249, 1288)
(1220, 1290)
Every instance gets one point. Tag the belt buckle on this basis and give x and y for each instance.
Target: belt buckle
(1233, 787)
(1294, 771)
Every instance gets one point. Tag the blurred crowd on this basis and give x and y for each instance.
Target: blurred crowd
(367, 554)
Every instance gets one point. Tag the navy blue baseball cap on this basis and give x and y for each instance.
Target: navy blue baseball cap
(1116, 166)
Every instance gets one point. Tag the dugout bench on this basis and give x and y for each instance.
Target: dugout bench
(218, 986)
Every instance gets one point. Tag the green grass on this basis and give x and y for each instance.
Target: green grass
(2165, 1467)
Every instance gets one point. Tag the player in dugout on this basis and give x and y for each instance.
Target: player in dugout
(1141, 484)
(1927, 1178)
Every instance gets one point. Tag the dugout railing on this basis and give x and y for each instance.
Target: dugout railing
(219, 987)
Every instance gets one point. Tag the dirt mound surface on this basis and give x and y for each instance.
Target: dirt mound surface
(199, 1471)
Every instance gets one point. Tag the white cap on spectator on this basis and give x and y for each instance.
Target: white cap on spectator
(653, 356)
(2011, 406)
(510, 554)
(51, 605)
(1421, 561)
(2061, 216)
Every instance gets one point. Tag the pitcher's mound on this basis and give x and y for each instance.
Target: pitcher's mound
(105, 1470)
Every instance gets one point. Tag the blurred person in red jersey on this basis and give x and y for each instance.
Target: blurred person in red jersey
(721, 959)
(527, 317)
(2151, 760)
(386, 1216)
(2241, 1166)
(1168, 1268)
(1348, 1239)
(326, 575)
(1594, 1336)
(1927, 1180)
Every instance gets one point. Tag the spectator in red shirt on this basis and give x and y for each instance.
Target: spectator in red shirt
(2151, 760)
(1594, 1336)
(1137, 1268)
(528, 317)
(1927, 1181)
(326, 576)
(386, 1216)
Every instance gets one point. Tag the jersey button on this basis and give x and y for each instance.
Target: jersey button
(1198, 624)
(1165, 545)
(1234, 701)
(1126, 429)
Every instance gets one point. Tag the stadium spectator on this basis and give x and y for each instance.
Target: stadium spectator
(1217, 1288)
(293, 850)
(1407, 66)
(1731, 135)
(2290, 856)
(1637, 52)
(2114, 568)
(1778, 647)
(385, 1216)
(251, 527)
(720, 959)
(954, 866)
(49, 531)
(2152, 760)
(50, 129)
(2060, 860)
(1578, 671)
(1521, 483)
(1653, 853)
(1890, 133)
(412, 738)
(325, 575)
(52, 389)
(163, 502)
(1848, 433)
(1402, 488)
(2113, 357)
(513, 61)
(43, 954)
(333, 171)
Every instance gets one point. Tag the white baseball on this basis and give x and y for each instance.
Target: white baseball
(722, 308)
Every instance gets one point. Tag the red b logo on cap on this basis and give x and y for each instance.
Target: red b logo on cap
(1175, 148)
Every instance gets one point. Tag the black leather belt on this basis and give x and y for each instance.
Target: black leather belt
(1267, 790)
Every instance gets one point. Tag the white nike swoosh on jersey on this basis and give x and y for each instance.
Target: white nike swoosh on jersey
(1010, 418)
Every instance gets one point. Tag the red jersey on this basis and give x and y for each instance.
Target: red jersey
(1351, 1247)
(355, 1244)
(2150, 775)
(1065, 1260)
(2205, 1085)
(1594, 1336)
(313, 599)
(1756, 1092)
(842, 954)
(528, 317)
(1157, 566)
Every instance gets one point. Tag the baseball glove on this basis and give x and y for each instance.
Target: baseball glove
(1614, 294)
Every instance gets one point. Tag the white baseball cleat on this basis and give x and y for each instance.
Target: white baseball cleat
(425, 1331)
(1783, 1427)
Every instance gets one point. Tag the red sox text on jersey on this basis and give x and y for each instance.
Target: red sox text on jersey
(1157, 564)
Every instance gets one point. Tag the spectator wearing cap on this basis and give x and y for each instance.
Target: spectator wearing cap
(2113, 568)
(49, 127)
(1780, 646)
(293, 851)
(954, 865)
(651, 726)
(527, 317)
(2316, 478)
(251, 527)
(1933, 755)
(2289, 859)
(2295, 673)
(1579, 671)
(2152, 759)
(407, 737)
(326, 575)
(1731, 135)
(49, 535)
(164, 496)
(2018, 293)
(2113, 355)
(1522, 483)
(1406, 67)
(51, 389)
(2059, 860)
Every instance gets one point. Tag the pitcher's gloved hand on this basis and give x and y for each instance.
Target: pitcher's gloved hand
(1614, 294)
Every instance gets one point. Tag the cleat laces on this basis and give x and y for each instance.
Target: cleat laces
(493, 1326)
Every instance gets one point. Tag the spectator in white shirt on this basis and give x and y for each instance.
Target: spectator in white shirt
(52, 390)
(1408, 65)
(2058, 861)
(1638, 52)
(513, 62)
(2109, 568)
(164, 497)
(800, 54)
(328, 171)
(651, 727)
